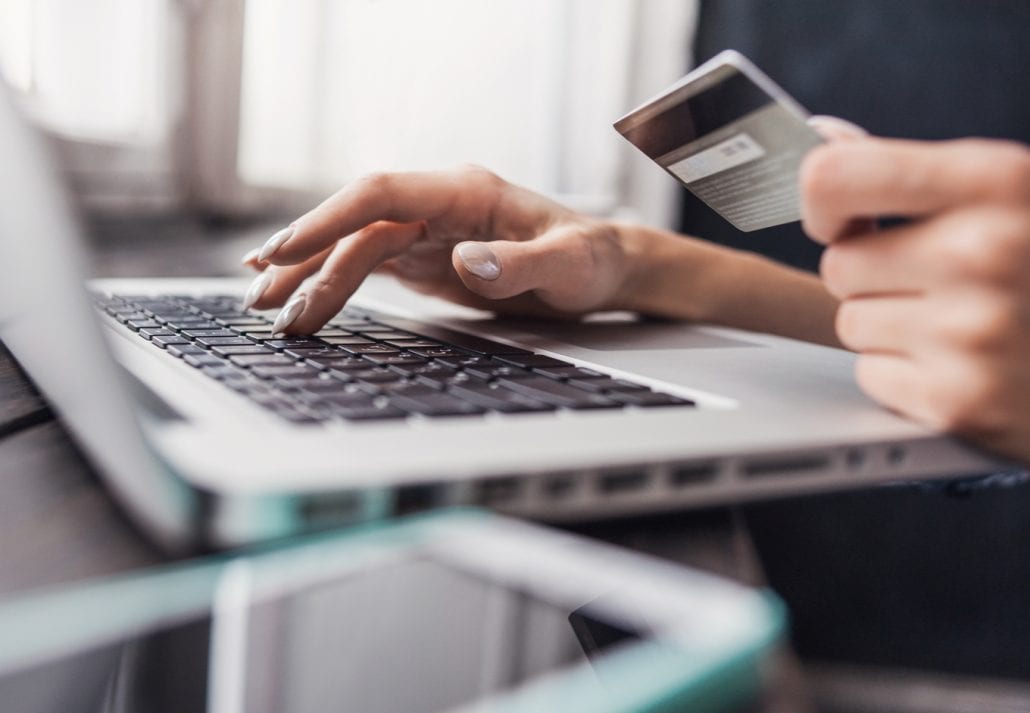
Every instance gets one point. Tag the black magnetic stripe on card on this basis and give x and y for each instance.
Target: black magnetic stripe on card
(697, 115)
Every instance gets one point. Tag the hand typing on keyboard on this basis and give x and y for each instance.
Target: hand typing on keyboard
(937, 307)
(464, 234)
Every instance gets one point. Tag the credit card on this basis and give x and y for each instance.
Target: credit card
(731, 136)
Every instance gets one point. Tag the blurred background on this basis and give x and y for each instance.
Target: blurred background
(229, 109)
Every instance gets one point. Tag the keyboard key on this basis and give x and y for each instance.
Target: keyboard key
(149, 332)
(388, 359)
(167, 341)
(331, 332)
(648, 399)
(251, 360)
(461, 340)
(605, 384)
(291, 342)
(137, 324)
(252, 349)
(497, 371)
(221, 372)
(340, 363)
(127, 317)
(314, 353)
(199, 360)
(197, 323)
(442, 381)
(531, 361)
(369, 349)
(294, 371)
(209, 333)
(558, 393)
(440, 352)
(361, 410)
(431, 368)
(347, 339)
(496, 398)
(225, 341)
(430, 402)
(375, 375)
(244, 321)
(181, 350)
(568, 372)
(387, 336)
(464, 361)
(412, 343)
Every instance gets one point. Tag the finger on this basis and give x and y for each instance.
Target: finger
(958, 247)
(867, 178)
(250, 259)
(276, 283)
(348, 264)
(899, 260)
(896, 382)
(467, 194)
(836, 129)
(560, 265)
(892, 325)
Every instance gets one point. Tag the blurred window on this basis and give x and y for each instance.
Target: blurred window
(89, 70)
(243, 105)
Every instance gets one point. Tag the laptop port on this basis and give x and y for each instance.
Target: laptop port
(415, 498)
(622, 481)
(332, 509)
(687, 475)
(498, 490)
(895, 455)
(558, 486)
(790, 465)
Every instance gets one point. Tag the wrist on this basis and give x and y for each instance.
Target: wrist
(669, 275)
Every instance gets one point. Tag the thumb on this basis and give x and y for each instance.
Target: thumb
(502, 268)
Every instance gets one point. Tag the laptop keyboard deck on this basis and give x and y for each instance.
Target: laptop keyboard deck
(365, 367)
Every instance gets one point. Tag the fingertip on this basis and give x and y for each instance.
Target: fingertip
(834, 128)
(478, 260)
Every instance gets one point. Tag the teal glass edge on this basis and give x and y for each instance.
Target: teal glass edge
(41, 624)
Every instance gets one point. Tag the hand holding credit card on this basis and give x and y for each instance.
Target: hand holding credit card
(731, 136)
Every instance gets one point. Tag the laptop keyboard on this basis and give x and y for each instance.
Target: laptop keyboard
(362, 367)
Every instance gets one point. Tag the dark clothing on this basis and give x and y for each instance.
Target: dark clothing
(928, 69)
(891, 576)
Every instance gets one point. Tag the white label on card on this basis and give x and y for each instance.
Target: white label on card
(734, 151)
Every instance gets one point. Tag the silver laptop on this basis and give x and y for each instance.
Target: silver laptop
(553, 421)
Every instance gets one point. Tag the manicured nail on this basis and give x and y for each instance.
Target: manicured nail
(480, 260)
(836, 127)
(251, 257)
(274, 243)
(256, 289)
(289, 314)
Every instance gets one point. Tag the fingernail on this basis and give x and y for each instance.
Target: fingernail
(250, 257)
(274, 243)
(836, 127)
(256, 289)
(480, 260)
(289, 314)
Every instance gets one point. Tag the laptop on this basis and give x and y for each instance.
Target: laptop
(408, 403)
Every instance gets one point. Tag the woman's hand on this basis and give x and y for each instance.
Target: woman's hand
(464, 235)
(939, 307)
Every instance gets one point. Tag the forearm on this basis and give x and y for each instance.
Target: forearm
(671, 275)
